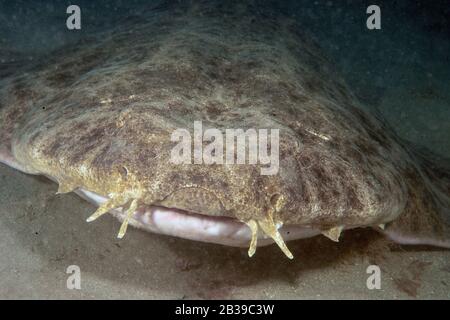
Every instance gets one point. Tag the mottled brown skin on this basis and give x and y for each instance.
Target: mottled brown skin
(100, 115)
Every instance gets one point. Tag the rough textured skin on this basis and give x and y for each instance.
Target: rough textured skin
(99, 116)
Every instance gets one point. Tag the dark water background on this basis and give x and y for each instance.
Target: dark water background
(402, 69)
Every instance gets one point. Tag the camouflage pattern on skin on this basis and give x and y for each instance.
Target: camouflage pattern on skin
(98, 116)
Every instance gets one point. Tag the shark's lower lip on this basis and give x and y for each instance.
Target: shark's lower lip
(220, 230)
(205, 228)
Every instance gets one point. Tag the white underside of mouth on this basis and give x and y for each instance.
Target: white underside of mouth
(198, 227)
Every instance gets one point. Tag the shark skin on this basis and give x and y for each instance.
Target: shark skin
(97, 117)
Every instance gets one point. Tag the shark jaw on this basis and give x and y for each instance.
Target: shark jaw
(205, 228)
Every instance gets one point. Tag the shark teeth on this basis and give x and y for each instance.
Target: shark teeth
(270, 229)
(333, 233)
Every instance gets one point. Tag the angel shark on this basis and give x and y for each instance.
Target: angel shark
(97, 118)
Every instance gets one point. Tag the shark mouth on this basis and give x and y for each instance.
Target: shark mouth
(205, 228)
(194, 226)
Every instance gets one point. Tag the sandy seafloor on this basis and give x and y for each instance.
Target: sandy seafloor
(402, 70)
